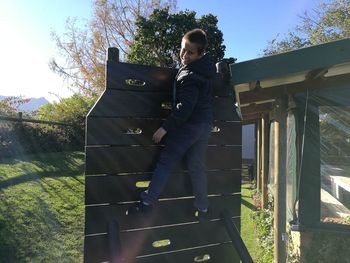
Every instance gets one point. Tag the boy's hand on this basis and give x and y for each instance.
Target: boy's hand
(158, 135)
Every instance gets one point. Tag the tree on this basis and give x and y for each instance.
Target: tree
(329, 21)
(84, 47)
(71, 110)
(158, 37)
(9, 105)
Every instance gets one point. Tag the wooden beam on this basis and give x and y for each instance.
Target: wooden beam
(317, 73)
(301, 60)
(253, 96)
(256, 108)
(341, 81)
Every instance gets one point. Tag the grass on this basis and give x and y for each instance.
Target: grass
(42, 209)
(247, 225)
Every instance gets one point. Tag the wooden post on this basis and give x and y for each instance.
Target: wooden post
(280, 182)
(258, 151)
(113, 54)
(264, 158)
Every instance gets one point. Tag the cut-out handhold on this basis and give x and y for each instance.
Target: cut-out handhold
(133, 131)
(166, 105)
(161, 243)
(135, 82)
(202, 258)
(142, 184)
(215, 129)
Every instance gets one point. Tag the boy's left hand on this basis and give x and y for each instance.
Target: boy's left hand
(158, 135)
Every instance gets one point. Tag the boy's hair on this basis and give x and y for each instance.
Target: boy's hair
(199, 37)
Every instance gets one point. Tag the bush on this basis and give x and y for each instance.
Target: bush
(21, 138)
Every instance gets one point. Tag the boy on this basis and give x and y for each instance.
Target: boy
(188, 126)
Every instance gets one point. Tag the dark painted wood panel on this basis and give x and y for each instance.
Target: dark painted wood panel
(122, 188)
(123, 159)
(227, 133)
(124, 103)
(131, 131)
(152, 78)
(139, 243)
(224, 253)
(120, 103)
(121, 131)
(166, 212)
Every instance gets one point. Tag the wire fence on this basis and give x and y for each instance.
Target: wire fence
(21, 119)
(20, 135)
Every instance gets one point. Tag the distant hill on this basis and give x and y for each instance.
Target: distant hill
(32, 105)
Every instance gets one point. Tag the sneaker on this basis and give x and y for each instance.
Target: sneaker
(139, 208)
(203, 216)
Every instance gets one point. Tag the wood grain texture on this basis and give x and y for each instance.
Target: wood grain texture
(166, 212)
(138, 131)
(120, 159)
(122, 188)
(139, 243)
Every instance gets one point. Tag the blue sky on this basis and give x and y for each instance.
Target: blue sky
(26, 45)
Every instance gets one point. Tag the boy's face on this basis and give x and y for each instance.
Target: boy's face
(189, 52)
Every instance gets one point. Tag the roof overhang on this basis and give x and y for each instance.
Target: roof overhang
(257, 83)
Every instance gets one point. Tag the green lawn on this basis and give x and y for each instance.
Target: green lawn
(42, 209)
(247, 226)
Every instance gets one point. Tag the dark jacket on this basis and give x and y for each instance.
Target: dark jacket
(193, 99)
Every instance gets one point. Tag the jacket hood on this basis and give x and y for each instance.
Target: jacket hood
(203, 66)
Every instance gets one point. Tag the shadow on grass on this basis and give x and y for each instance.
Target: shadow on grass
(66, 164)
(247, 204)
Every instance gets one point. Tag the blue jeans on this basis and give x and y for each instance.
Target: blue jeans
(190, 141)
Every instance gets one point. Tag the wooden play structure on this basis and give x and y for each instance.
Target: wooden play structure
(120, 157)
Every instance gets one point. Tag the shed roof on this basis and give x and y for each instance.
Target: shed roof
(258, 82)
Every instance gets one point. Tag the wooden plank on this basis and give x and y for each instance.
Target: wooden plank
(96, 251)
(224, 253)
(256, 108)
(154, 78)
(123, 159)
(121, 131)
(125, 103)
(139, 243)
(138, 131)
(257, 95)
(166, 212)
(122, 188)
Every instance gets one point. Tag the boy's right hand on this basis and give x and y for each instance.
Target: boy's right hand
(158, 135)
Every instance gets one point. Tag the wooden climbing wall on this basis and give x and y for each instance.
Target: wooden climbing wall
(120, 158)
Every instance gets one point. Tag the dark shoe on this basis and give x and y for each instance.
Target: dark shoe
(202, 216)
(139, 208)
